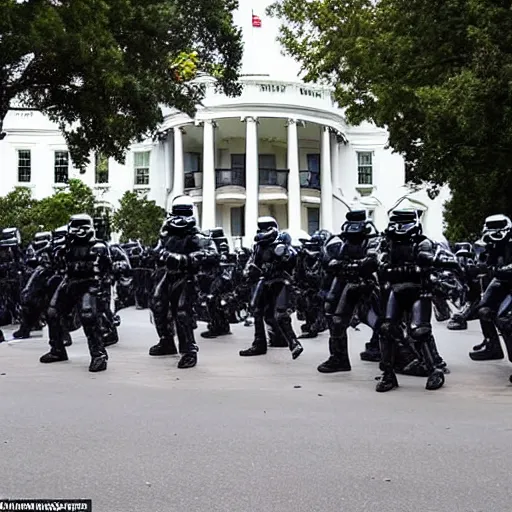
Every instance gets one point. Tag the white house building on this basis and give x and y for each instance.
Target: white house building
(282, 148)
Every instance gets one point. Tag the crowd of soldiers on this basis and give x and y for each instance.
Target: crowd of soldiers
(391, 281)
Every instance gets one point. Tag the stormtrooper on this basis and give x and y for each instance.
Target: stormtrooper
(34, 296)
(183, 251)
(269, 269)
(309, 277)
(220, 284)
(407, 260)
(86, 262)
(352, 259)
(472, 289)
(495, 307)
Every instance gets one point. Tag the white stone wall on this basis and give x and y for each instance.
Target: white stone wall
(276, 93)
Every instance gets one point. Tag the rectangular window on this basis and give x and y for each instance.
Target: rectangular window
(238, 221)
(192, 162)
(61, 166)
(313, 162)
(313, 220)
(100, 169)
(267, 162)
(141, 166)
(238, 162)
(364, 168)
(24, 166)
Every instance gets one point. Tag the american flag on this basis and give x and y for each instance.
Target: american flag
(256, 21)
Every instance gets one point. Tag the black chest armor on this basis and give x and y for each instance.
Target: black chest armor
(83, 260)
(499, 254)
(184, 244)
(402, 253)
(351, 251)
(264, 254)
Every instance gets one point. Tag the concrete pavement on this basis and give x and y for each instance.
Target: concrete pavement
(264, 434)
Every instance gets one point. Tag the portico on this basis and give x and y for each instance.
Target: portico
(237, 169)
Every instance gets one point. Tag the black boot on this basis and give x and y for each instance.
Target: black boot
(256, 349)
(66, 338)
(259, 345)
(387, 382)
(435, 380)
(339, 360)
(54, 356)
(457, 323)
(489, 350)
(188, 360)
(165, 347)
(212, 333)
(438, 361)
(98, 363)
(296, 348)
(22, 333)
(372, 351)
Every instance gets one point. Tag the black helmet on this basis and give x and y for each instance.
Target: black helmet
(81, 227)
(496, 228)
(182, 206)
(356, 226)
(41, 240)
(181, 218)
(403, 224)
(268, 230)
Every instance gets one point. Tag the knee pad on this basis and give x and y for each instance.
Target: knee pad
(486, 314)
(421, 332)
(386, 329)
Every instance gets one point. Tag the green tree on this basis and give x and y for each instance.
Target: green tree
(436, 74)
(17, 210)
(102, 69)
(138, 218)
(54, 211)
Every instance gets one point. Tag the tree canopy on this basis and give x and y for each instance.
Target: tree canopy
(102, 69)
(137, 218)
(19, 209)
(436, 74)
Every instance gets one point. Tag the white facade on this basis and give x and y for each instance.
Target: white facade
(282, 148)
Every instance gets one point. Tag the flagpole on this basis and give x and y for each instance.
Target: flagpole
(252, 42)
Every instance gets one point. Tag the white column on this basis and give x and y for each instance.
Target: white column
(168, 168)
(326, 210)
(209, 202)
(251, 180)
(335, 161)
(179, 176)
(294, 200)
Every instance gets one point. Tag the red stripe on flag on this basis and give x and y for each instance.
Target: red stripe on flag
(256, 21)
